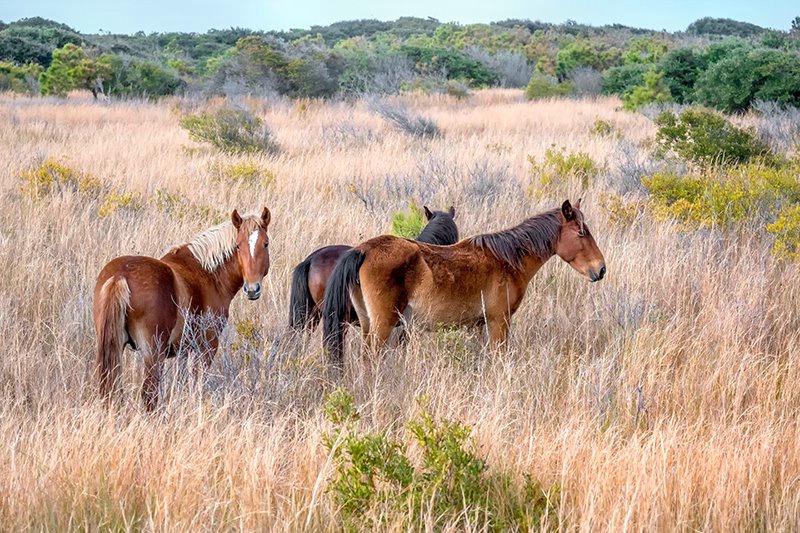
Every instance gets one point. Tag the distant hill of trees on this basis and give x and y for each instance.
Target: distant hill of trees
(721, 63)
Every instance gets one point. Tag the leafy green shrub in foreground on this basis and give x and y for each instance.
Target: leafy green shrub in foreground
(230, 130)
(374, 480)
(702, 136)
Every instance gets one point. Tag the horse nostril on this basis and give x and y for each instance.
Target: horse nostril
(258, 288)
(602, 272)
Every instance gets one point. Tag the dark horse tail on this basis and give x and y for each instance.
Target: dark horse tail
(336, 306)
(111, 307)
(300, 301)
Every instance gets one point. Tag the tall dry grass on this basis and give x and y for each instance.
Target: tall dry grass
(663, 398)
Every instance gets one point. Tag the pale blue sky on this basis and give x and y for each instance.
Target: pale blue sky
(89, 16)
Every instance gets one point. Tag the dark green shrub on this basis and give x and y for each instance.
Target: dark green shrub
(621, 80)
(702, 136)
(681, 68)
(734, 82)
(230, 130)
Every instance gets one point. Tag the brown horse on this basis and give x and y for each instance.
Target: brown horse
(477, 281)
(143, 302)
(310, 277)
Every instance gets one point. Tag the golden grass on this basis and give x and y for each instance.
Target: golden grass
(663, 398)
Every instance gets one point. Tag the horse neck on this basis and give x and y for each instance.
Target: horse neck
(530, 266)
(228, 278)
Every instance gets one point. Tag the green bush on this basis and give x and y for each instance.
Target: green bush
(703, 137)
(244, 173)
(681, 68)
(745, 193)
(559, 167)
(787, 234)
(233, 131)
(621, 80)
(602, 128)
(654, 91)
(408, 224)
(544, 86)
(52, 176)
(374, 479)
(739, 79)
(19, 78)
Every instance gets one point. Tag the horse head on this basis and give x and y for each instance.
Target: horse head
(576, 245)
(252, 250)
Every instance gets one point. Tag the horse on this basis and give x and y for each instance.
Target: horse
(310, 277)
(478, 281)
(143, 302)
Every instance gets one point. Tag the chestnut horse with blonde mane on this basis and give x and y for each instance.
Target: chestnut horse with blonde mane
(142, 302)
(310, 277)
(477, 281)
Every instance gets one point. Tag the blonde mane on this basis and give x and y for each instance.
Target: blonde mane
(213, 247)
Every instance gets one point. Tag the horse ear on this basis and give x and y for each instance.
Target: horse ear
(266, 216)
(428, 213)
(577, 204)
(452, 212)
(567, 211)
(236, 219)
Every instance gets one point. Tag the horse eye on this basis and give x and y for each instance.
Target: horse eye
(266, 244)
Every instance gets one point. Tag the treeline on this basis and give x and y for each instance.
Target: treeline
(716, 62)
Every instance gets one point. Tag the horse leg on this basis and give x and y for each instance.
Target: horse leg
(156, 351)
(405, 322)
(498, 331)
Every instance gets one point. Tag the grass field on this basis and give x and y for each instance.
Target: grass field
(663, 398)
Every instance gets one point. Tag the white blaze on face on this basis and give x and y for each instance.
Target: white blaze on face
(252, 240)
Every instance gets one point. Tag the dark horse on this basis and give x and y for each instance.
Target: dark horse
(311, 276)
(481, 280)
(142, 302)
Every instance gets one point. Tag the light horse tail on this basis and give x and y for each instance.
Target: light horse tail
(336, 303)
(301, 302)
(110, 309)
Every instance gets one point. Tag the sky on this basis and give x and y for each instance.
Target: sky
(91, 16)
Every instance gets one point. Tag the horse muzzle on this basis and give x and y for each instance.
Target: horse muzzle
(597, 275)
(252, 290)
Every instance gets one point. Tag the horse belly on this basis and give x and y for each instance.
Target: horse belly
(435, 308)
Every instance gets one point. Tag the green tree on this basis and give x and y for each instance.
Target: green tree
(653, 91)
(733, 83)
(681, 68)
(72, 69)
(583, 53)
(645, 50)
(622, 79)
